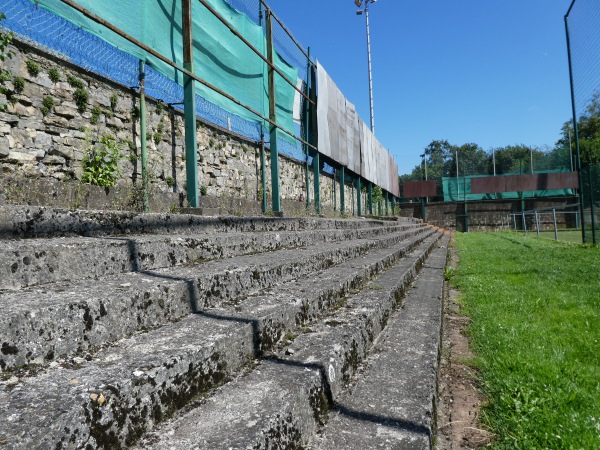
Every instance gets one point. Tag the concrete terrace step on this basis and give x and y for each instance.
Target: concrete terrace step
(39, 221)
(31, 262)
(288, 396)
(111, 400)
(42, 323)
(392, 404)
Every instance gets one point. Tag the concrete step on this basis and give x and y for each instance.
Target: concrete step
(288, 396)
(42, 323)
(111, 400)
(39, 221)
(32, 262)
(392, 405)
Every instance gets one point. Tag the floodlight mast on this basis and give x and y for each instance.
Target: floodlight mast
(359, 12)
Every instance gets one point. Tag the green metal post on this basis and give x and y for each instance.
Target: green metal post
(370, 189)
(589, 171)
(189, 102)
(342, 190)
(334, 191)
(466, 208)
(273, 117)
(387, 207)
(358, 197)
(352, 194)
(144, 146)
(317, 180)
(393, 205)
(263, 170)
(575, 126)
(307, 132)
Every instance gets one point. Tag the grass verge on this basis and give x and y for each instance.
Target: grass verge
(534, 306)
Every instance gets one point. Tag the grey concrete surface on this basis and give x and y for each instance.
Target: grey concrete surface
(288, 396)
(391, 406)
(29, 262)
(39, 324)
(142, 380)
(39, 221)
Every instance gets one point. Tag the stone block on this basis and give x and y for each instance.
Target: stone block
(65, 152)
(56, 121)
(21, 158)
(54, 160)
(66, 110)
(4, 147)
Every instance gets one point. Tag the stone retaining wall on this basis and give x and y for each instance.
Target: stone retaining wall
(49, 126)
(491, 215)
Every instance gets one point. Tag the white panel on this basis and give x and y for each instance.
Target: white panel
(322, 110)
(346, 139)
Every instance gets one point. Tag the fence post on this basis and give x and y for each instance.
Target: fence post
(143, 140)
(387, 210)
(575, 126)
(317, 181)
(275, 200)
(555, 228)
(263, 170)
(307, 132)
(342, 190)
(524, 224)
(537, 223)
(189, 108)
(358, 195)
(589, 171)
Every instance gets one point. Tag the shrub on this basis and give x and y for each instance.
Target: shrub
(101, 164)
(54, 75)
(81, 97)
(32, 68)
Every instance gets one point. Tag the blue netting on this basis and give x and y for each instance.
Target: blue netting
(60, 37)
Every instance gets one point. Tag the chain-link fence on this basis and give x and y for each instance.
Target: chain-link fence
(583, 38)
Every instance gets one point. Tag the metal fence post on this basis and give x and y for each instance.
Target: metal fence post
(387, 210)
(370, 191)
(143, 139)
(358, 197)
(589, 171)
(317, 181)
(555, 228)
(275, 199)
(537, 223)
(307, 131)
(342, 190)
(575, 126)
(189, 101)
(263, 170)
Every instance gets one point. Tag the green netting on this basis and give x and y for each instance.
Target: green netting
(456, 189)
(220, 57)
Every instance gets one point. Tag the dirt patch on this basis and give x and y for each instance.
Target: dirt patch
(459, 401)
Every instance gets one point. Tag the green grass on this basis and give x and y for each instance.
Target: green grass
(534, 306)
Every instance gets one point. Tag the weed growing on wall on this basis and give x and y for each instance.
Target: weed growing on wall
(32, 68)
(101, 163)
(47, 105)
(5, 40)
(54, 75)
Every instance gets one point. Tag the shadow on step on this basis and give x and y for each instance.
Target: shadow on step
(359, 416)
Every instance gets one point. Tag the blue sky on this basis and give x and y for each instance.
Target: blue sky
(490, 72)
